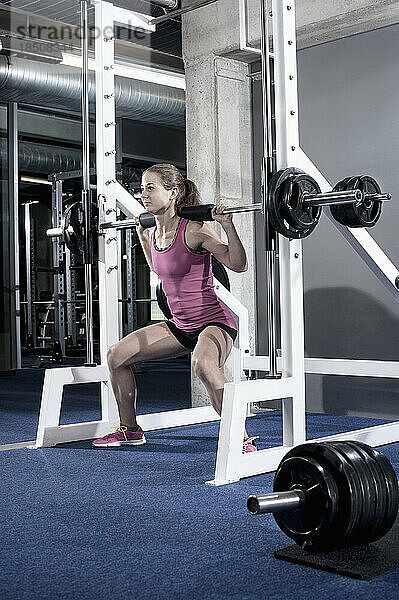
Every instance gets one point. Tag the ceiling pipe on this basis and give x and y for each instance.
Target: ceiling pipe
(45, 159)
(59, 86)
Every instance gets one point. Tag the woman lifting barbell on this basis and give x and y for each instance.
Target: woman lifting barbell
(179, 251)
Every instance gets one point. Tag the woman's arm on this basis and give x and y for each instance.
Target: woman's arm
(145, 241)
(232, 255)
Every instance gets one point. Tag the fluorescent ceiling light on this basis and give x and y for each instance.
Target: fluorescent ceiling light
(35, 180)
(132, 72)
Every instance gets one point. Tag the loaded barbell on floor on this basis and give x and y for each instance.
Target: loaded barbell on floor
(331, 495)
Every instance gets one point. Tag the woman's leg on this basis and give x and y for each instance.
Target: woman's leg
(213, 347)
(211, 352)
(149, 343)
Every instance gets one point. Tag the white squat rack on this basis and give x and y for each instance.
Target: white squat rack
(231, 464)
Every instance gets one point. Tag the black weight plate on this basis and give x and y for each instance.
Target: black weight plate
(391, 484)
(335, 213)
(368, 212)
(336, 209)
(379, 488)
(365, 213)
(313, 522)
(275, 205)
(293, 209)
(349, 509)
(361, 535)
(348, 216)
(349, 212)
(355, 483)
(72, 224)
(341, 185)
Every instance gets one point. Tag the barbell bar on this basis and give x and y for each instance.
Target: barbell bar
(203, 212)
(294, 207)
(146, 220)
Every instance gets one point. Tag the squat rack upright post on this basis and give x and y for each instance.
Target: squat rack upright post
(268, 167)
(86, 193)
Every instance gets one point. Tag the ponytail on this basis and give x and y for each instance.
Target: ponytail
(191, 195)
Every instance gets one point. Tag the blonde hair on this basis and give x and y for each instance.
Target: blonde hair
(171, 177)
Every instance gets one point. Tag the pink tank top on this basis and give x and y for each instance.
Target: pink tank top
(187, 280)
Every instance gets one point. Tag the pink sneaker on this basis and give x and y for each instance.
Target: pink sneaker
(121, 437)
(249, 445)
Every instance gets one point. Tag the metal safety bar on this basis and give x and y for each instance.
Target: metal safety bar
(62, 301)
(38, 302)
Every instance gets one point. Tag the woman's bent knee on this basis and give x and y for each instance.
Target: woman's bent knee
(117, 358)
(203, 367)
(112, 357)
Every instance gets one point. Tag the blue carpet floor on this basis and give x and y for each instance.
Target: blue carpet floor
(82, 523)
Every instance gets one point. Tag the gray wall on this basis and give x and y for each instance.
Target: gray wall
(349, 100)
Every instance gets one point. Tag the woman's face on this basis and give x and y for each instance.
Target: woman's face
(155, 198)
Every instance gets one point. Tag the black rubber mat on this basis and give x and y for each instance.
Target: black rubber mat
(361, 562)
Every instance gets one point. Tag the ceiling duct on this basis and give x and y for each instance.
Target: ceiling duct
(59, 86)
(45, 159)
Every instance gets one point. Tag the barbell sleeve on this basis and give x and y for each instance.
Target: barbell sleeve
(333, 198)
(55, 232)
(378, 197)
(343, 197)
(275, 502)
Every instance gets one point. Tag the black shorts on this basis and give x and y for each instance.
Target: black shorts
(190, 339)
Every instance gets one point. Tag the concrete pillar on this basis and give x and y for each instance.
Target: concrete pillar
(219, 140)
